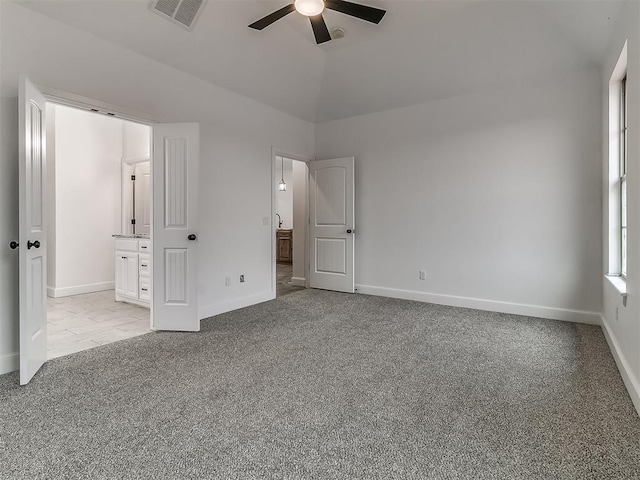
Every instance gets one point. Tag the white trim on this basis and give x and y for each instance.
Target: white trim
(90, 104)
(619, 283)
(79, 289)
(224, 307)
(579, 316)
(629, 379)
(281, 152)
(299, 281)
(9, 363)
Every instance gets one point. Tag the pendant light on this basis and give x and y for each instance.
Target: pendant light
(282, 186)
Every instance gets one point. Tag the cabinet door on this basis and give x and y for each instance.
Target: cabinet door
(285, 250)
(131, 289)
(121, 270)
(285, 246)
(127, 274)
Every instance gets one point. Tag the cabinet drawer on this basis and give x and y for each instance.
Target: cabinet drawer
(145, 264)
(127, 245)
(144, 246)
(145, 289)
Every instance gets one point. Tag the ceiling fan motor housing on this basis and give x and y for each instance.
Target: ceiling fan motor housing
(309, 8)
(314, 8)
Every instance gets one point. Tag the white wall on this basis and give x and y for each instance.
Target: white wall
(495, 195)
(88, 152)
(623, 329)
(284, 200)
(136, 141)
(236, 135)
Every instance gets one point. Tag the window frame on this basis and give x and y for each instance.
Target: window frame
(622, 177)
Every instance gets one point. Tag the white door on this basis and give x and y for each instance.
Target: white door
(32, 242)
(332, 212)
(176, 151)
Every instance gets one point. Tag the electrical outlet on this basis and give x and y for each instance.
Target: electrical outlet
(227, 281)
(423, 275)
(241, 278)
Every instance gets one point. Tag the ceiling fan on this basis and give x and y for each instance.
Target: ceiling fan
(314, 8)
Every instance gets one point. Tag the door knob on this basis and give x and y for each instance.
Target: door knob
(33, 244)
(350, 230)
(13, 244)
(192, 236)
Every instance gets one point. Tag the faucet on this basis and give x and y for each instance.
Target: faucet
(279, 220)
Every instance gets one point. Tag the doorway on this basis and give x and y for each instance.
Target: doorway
(92, 162)
(291, 218)
(174, 232)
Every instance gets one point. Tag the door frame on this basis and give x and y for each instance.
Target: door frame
(281, 152)
(57, 97)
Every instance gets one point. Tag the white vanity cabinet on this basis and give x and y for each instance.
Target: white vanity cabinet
(133, 271)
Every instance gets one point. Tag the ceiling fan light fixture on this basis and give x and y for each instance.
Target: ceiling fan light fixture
(309, 8)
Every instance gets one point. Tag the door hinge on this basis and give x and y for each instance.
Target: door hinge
(133, 177)
(133, 221)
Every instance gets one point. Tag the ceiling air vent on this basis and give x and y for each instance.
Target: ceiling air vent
(183, 12)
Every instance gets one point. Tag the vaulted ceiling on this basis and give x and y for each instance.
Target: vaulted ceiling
(422, 50)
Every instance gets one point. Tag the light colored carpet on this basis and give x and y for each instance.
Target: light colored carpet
(330, 386)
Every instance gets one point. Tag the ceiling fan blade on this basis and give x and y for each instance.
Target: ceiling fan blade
(320, 29)
(273, 17)
(370, 14)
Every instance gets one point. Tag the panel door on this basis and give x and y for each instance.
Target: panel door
(332, 229)
(33, 238)
(175, 221)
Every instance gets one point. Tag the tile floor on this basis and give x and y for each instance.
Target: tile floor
(284, 272)
(81, 322)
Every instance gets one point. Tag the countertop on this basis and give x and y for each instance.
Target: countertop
(144, 236)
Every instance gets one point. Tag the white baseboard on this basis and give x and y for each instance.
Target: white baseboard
(299, 281)
(217, 309)
(79, 289)
(629, 379)
(9, 363)
(579, 316)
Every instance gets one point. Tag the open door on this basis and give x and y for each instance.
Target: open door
(176, 150)
(32, 241)
(332, 229)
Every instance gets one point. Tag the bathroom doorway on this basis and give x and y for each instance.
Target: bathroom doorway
(290, 222)
(91, 162)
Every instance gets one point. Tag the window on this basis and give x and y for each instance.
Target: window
(622, 185)
(618, 187)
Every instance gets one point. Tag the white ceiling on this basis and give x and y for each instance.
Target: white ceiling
(422, 50)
